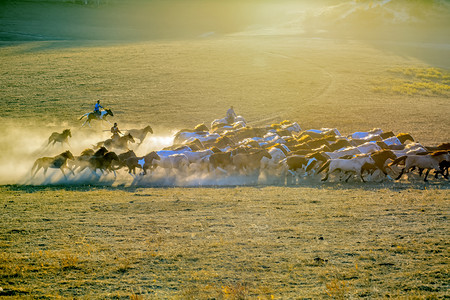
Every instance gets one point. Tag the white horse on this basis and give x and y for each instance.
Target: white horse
(100, 117)
(352, 166)
(196, 156)
(344, 152)
(239, 120)
(175, 162)
(368, 147)
(365, 135)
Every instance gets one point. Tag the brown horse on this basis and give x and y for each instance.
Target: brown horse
(56, 162)
(82, 161)
(221, 160)
(250, 161)
(379, 160)
(103, 161)
(123, 158)
(60, 137)
(140, 134)
(144, 163)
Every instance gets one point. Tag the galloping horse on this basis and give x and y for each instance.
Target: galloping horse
(56, 162)
(251, 161)
(352, 165)
(102, 159)
(60, 137)
(118, 143)
(428, 161)
(144, 163)
(93, 116)
(140, 134)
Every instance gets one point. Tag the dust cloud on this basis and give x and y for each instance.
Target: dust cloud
(21, 146)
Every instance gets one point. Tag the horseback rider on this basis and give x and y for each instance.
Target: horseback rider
(115, 132)
(231, 115)
(97, 108)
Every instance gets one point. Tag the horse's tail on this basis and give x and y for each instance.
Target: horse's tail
(326, 165)
(83, 116)
(398, 160)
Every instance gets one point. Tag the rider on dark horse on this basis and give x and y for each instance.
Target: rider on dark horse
(97, 108)
(115, 132)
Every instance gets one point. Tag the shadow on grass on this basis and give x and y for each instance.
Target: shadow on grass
(368, 186)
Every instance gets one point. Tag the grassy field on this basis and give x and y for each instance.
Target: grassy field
(106, 240)
(338, 241)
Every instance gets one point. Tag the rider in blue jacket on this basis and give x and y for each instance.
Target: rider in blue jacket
(97, 107)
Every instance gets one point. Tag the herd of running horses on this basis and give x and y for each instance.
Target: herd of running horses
(283, 151)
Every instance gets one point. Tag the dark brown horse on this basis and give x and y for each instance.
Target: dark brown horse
(94, 116)
(62, 137)
(123, 157)
(102, 160)
(145, 163)
(56, 162)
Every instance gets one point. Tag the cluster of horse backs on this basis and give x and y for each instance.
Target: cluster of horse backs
(282, 151)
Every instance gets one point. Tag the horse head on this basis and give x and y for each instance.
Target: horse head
(101, 151)
(68, 155)
(389, 154)
(148, 129)
(109, 112)
(403, 137)
(201, 127)
(265, 153)
(129, 138)
(152, 155)
(111, 156)
(67, 132)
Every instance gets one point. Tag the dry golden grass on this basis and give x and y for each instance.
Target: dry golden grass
(339, 241)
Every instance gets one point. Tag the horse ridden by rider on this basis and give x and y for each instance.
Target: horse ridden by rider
(115, 132)
(97, 114)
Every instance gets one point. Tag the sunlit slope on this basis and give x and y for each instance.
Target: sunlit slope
(319, 83)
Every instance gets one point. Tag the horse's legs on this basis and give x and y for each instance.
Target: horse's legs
(62, 170)
(426, 175)
(35, 171)
(362, 178)
(351, 174)
(400, 175)
(326, 177)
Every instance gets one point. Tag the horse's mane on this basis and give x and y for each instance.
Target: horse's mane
(101, 151)
(87, 152)
(439, 152)
(444, 146)
(215, 149)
